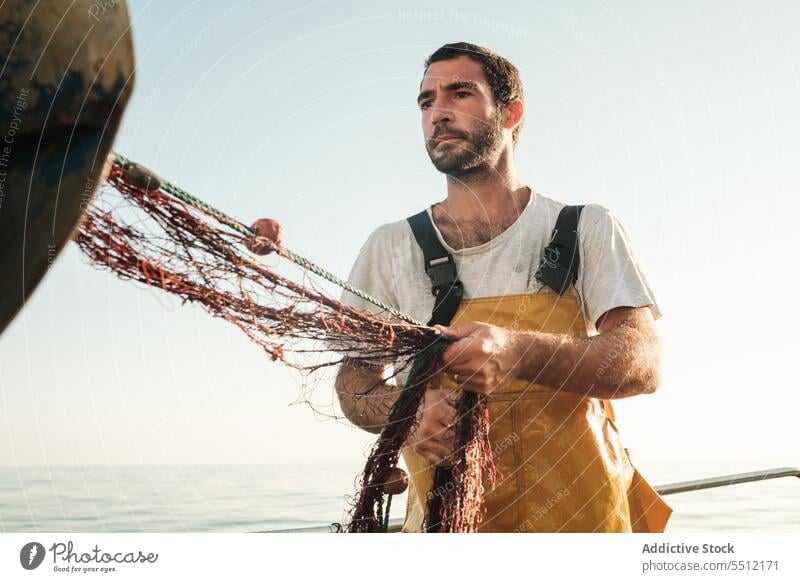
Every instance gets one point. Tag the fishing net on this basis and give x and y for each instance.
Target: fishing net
(147, 230)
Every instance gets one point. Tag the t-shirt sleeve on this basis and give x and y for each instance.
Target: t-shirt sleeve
(610, 274)
(372, 273)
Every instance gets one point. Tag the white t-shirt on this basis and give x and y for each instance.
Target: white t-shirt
(391, 267)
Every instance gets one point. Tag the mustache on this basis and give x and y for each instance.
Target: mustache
(443, 130)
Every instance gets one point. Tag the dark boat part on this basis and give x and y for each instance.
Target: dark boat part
(66, 73)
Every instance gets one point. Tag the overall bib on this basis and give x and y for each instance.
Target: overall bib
(561, 464)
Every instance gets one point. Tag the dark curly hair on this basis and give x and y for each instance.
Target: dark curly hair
(503, 77)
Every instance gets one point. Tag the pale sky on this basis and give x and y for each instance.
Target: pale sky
(681, 117)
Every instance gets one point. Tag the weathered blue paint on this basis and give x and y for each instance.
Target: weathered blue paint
(76, 86)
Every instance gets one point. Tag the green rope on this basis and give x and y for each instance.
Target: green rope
(385, 524)
(234, 224)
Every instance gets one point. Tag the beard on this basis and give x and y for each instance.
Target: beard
(474, 154)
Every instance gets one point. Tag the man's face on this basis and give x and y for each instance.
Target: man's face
(462, 125)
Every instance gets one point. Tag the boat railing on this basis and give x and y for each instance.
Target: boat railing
(668, 489)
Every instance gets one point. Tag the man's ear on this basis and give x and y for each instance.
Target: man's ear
(515, 111)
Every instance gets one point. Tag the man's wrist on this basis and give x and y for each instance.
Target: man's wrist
(537, 351)
(524, 354)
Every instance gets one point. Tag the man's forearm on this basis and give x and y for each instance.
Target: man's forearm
(621, 362)
(366, 399)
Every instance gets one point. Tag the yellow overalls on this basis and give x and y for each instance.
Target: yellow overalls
(562, 466)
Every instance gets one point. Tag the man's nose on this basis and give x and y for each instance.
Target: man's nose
(440, 114)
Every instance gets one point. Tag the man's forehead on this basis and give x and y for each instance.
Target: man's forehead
(462, 68)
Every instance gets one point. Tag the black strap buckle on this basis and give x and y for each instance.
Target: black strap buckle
(440, 268)
(448, 298)
(558, 268)
(446, 287)
(554, 276)
(442, 273)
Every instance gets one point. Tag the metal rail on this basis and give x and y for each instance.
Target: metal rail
(725, 480)
(395, 525)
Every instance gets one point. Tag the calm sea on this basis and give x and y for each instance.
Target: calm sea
(267, 497)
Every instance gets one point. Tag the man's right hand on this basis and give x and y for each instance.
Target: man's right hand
(433, 436)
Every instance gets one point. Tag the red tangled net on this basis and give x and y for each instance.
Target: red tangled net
(140, 230)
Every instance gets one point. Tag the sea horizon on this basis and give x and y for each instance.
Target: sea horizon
(276, 496)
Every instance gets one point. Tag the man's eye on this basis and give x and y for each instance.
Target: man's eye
(462, 93)
(425, 105)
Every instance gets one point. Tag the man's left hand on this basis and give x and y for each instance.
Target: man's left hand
(483, 357)
(268, 236)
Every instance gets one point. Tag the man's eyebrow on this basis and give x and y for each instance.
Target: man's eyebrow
(463, 84)
(455, 86)
(424, 95)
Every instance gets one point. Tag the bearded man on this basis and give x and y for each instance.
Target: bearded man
(548, 306)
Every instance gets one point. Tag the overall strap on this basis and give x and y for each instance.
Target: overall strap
(441, 269)
(561, 257)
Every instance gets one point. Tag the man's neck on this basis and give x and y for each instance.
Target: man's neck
(481, 205)
(488, 194)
